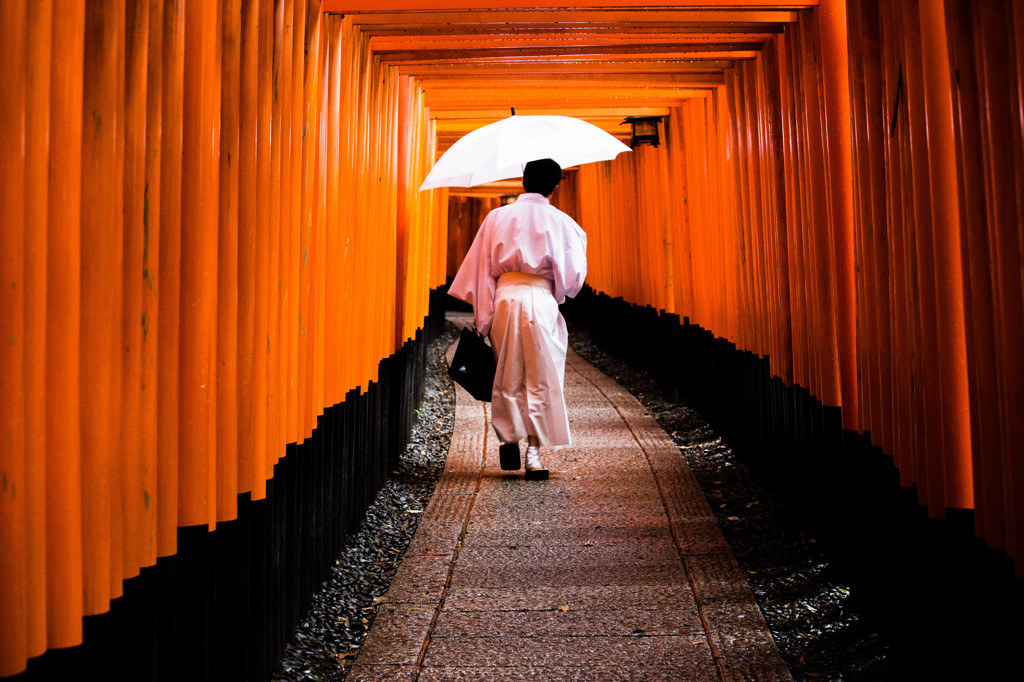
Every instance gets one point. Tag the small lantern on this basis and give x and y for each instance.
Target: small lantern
(645, 129)
(507, 199)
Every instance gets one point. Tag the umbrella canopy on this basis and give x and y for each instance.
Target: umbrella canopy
(500, 150)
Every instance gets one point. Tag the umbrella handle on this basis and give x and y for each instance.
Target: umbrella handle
(513, 111)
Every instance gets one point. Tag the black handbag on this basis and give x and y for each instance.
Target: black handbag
(473, 365)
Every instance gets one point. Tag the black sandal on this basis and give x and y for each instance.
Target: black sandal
(537, 474)
(508, 453)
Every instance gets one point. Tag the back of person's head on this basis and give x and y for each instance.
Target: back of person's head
(542, 176)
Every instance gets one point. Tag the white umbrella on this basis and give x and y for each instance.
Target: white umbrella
(499, 151)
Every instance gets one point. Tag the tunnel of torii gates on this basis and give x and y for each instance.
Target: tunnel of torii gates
(218, 276)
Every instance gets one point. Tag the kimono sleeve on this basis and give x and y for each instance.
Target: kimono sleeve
(570, 264)
(474, 283)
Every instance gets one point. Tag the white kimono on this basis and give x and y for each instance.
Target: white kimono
(525, 260)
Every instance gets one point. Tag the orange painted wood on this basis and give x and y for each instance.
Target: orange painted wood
(131, 470)
(980, 331)
(928, 396)
(261, 287)
(306, 328)
(39, 31)
(836, 70)
(354, 5)
(999, 107)
(277, 145)
(876, 414)
(794, 213)
(1015, 315)
(150, 322)
(782, 353)
(169, 285)
(247, 220)
(65, 601)
(951, 353)
(288, 144)
(301, 25)
(14, 588)
(335, 248)
(101, 299)
(118, 520)
(405, 160)
(903, 317)
(229, 173)
(198, 305)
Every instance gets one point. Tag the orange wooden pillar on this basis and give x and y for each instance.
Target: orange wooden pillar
(169, 280)
(228, 292)
(682, 264)
(273, 254)
(248, 468)
(198, 322)
(261, 286)
(952, 352)
(406, 160)
(836, 95)
(13, 482)
(999, 75)
(874, 342)
(37, 122)
(150, 357)
(101, 300)
(281, 232)
(64, 587)
(137, 539)
(303, 68)
(927, 397)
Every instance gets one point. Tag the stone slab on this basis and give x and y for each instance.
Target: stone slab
(547, 536)
(366, 673)
(434, 538)
(420, 580)
(639, 553)
(583, 485)
(572, 652)
(700, 536)
(398, 634)
(599, 565)
(462, 481)
(717, 577)
(446, 507)
(603, 673)
(737, 630)
(568, 623)
(615, 598)
(538, 517)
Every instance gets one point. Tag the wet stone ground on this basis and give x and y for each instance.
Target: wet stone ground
(817, 628)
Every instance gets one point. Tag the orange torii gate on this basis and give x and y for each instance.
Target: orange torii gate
(213, 253)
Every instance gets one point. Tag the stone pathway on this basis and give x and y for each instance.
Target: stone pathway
(613, 569)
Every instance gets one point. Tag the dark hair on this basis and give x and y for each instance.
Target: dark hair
(542, 176)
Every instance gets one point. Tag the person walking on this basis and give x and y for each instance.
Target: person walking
(525, 260)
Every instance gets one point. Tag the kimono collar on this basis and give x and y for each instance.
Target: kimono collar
(532, 198)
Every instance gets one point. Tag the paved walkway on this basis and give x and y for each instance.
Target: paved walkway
(614, 569)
